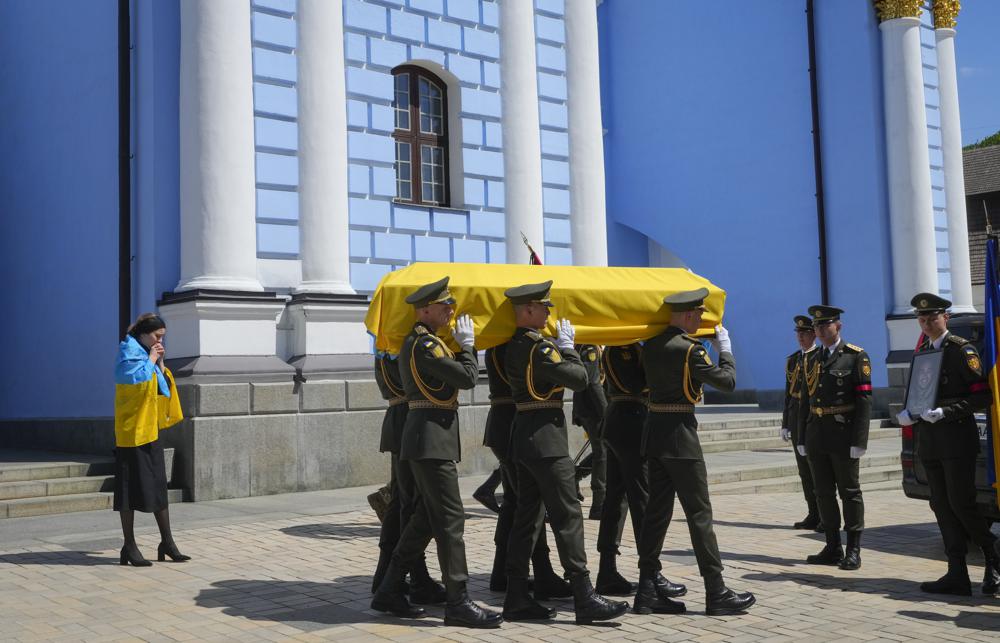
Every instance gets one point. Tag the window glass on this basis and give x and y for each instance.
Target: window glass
(431, 108)
(432, 173)
(404, 182)
(402, 102)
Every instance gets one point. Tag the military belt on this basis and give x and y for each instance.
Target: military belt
(627, 398)
(540, 404)
(428, 404)
(396, 401)
(671, 408)
(831, 410)
(496, 401)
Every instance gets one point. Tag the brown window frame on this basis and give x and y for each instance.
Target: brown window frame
(415, 138)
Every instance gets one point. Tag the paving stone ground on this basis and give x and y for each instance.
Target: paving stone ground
(306, 576)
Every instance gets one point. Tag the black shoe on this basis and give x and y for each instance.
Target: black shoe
(947, 584)
(590, 606)
(830, 555)
(666, 589)
(170, 549)
(649, 601)
(465, 613)
(548, 586)
(424, 590)
(390, 598)
(611, 583)
(132, 556)
(486, 494)
(852, 559)
(809, 522)
(728, 602)
(518, 605)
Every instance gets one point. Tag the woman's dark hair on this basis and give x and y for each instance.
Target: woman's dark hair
(146, 323)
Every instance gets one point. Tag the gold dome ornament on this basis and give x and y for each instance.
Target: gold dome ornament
(946, 13)
(892, 9)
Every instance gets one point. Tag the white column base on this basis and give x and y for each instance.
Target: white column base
(207, 282)
(903, 333)
(328, 328)
(325, 287)
(206, 327)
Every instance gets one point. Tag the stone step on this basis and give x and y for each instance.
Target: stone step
(869, 476)
(713, 434)
(55, 487)
(748, 474)
(40, 506)
(47, 470)
(752, 444)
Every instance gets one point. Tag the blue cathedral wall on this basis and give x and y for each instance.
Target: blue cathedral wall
(709, 154)
(59, 227)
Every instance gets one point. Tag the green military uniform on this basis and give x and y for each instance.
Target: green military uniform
(948, 449)
(499, 423)
(538, 371)
(589, 406)
(801, 370)
(431, 376)
(676, 366)
(839, 416)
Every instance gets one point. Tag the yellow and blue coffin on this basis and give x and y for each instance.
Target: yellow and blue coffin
(610, 306)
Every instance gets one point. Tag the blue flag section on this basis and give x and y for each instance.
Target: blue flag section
(991, 356)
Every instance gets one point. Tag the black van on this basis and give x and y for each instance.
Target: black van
(914, 477)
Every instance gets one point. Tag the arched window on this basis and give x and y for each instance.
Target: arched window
(421, 136)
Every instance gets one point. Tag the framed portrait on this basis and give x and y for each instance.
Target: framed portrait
(925, 373)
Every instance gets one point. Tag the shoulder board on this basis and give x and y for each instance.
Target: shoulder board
(853, 348)
(792, 356)
(955, 339)
(534, 335)
(693, 340)
(420, 330)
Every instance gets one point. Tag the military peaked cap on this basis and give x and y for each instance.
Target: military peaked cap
(435, 293)
(803, 323)
(530, 294)
(926, 302)
(825, 313)
(687, 300)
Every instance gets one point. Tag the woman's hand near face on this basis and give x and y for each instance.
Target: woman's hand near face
(156, 352)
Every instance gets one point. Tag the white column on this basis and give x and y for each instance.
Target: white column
(522, 150)
(322, 121)
(954, 174)
(586, 136)
(218, 233)
(911, 210)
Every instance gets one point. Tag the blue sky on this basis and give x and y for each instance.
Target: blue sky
(977, 54)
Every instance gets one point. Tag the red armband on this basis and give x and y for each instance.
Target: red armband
(976, 387)
(863, 388)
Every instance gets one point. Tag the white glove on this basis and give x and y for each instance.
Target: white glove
(904, 419)
(801, 448)
(722, 342)
(567, 335)
(857, 452)
(786, 434)
(932, 415)
(464, 333)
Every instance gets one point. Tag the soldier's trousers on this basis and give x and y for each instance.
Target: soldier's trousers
(805, 476)
(438, 513)
(599, 461)
(505, 519)
(953, 501)
(832, 474)
(628, 478)
(688, 479)
(402, 501)
(547, 484)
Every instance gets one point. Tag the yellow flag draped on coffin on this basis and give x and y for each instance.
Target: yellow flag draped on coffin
(611, 306)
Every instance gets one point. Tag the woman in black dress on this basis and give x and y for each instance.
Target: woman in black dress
(145, 403)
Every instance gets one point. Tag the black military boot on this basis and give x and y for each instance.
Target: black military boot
(547, 583)
(486, 494)
(852, 559)
(649, 601)
(956, 582)
(384, 558)
(609, 581)
(811, 521)
(832, 554)
(460, 611)
(991, 576)
(389, 597)
(665, 588)
(424, 590)
(722, 601)
(518, 605)
(590, 606)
